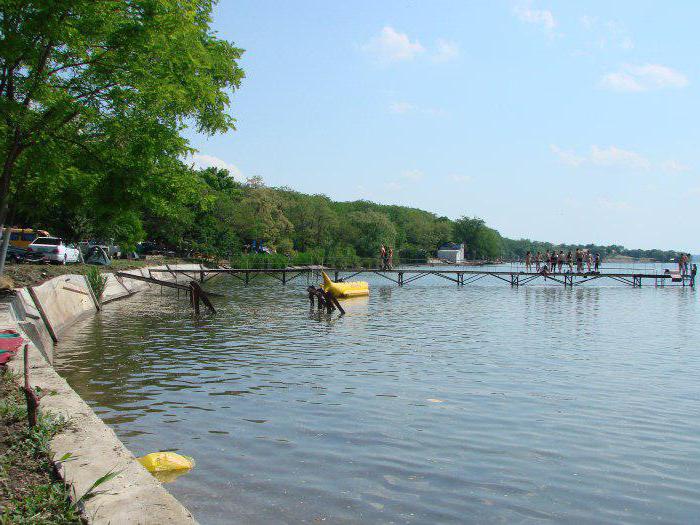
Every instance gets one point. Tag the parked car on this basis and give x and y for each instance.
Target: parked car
(54, 250)
(15, 254)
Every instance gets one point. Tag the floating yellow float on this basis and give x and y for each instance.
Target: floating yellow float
(351, 289)
(166, 466)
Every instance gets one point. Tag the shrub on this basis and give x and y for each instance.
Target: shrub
(96, 280)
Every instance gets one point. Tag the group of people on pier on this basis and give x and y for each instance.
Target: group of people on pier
(553, 262)
(387, 257)
(684, 264)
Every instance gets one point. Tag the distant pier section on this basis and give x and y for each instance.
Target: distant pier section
(404, 276)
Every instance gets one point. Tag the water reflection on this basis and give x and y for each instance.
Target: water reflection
(423, 404)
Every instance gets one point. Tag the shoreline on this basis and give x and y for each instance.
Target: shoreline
(41, 315)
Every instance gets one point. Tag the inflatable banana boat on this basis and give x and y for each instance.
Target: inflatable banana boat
(340, 290)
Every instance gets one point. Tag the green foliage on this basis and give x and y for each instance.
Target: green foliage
(93, 98)
(97, 281)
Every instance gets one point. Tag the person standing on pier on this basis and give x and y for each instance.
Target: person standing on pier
(547, 256)
(681, 264)
(589, 261)
(570, 261)
(597, 261)
(382, 256)
(579, 260)
(528, 262)
(560, 259)
(390, 259)
(553, 262)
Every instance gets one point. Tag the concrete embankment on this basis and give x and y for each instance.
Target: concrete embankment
(41, 314)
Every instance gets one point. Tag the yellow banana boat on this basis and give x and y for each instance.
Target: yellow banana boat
(339, 290)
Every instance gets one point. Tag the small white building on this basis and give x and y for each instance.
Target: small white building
(451, 252)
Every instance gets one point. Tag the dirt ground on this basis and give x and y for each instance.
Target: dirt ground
(26, 274)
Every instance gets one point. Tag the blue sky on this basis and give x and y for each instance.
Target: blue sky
(559, 121)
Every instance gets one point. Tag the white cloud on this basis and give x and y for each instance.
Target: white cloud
(540, 17)
(673, 166)
(392, 46)
(617, 157)
(611, 205)
(567, 157)
(393, 186)
(201, 160)
(446, 51)
(413, 175)
(401, 107)
(630, 78)
(608, 34)
(612, 156)
(460, 178)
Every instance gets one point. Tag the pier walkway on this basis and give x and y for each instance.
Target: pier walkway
(461, 277)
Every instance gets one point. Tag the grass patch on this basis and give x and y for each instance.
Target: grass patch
(30, 492)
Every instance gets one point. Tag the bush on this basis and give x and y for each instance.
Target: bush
(96, 280)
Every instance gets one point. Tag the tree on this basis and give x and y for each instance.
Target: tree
(368, 231)
(86, 73)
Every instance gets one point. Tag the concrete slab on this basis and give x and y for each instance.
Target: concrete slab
(64, 300)
(114, 289)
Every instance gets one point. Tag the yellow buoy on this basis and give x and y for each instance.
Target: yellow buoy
(166, 466)
(351, 289)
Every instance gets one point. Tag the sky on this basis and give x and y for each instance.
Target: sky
(558, 121)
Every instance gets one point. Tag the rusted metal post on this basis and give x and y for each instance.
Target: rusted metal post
(29, 394)
(195, 297)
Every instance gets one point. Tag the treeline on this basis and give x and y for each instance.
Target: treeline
(207, 212)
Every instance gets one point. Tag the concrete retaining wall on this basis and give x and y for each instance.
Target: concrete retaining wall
(133, 496)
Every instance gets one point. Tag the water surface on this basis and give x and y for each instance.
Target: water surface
(424, 404)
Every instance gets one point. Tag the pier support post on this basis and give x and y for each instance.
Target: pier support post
(284, 277)
(336, 274)
(247, 277)
(514, 279)
(400, 278)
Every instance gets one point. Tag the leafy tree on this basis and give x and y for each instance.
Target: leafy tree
(110, 78)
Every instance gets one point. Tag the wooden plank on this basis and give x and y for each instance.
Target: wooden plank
(153, 280)
(42, 313)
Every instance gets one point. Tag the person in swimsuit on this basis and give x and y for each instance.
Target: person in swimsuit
(579, 261)
(560, 259)
(681, 262)
(553, 262)
(382, 256)
(547, 255)
(589, 261)
(570, 261)
(528, 262)
(597, 262)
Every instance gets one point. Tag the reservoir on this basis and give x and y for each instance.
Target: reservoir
(428, 403)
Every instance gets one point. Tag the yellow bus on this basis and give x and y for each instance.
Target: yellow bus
(21, 237)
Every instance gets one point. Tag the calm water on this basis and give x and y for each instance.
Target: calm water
(425, 404)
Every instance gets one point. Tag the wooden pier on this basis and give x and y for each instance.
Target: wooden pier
(404, 276)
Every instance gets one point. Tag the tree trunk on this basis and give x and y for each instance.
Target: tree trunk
(5, 240)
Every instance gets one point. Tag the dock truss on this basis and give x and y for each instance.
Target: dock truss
(404, 276)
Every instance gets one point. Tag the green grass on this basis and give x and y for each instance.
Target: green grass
(30, 493)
